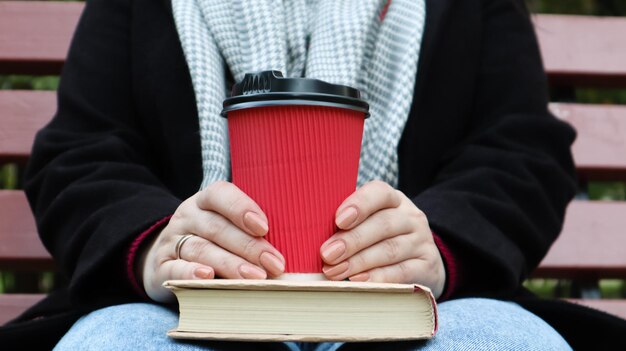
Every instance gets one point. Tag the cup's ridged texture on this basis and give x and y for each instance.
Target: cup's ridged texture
(298, 163)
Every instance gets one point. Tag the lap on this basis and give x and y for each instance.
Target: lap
(476, 324)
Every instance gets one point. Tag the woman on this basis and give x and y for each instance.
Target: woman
(484, 172)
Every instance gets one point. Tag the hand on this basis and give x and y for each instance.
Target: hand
(229, 228)
(383, 237)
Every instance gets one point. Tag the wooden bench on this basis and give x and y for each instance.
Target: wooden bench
(585, 51)
(34, 38)
(578, 51)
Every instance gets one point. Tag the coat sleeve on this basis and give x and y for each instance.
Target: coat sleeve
(499, 197)
(91, 181)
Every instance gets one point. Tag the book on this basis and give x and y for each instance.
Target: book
(312, 311)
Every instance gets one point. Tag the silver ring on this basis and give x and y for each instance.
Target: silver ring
(180, 243)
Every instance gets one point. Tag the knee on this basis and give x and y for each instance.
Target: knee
(494, 325)
(132, 314)
(122, 323)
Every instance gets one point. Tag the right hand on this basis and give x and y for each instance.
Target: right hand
(229, 228)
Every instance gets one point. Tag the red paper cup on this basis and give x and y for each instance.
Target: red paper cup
(298, 159)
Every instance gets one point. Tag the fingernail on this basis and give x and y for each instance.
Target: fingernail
(203, 273)
(335, 270)
(255, 223)
(334, 251)
(361, 277)
(346, 217)
(249, 271)
(272, 263)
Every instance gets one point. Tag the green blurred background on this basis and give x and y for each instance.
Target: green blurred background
(611, 191)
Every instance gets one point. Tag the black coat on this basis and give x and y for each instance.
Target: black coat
(480, 155)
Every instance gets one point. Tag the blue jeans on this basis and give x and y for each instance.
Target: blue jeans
(465, 324)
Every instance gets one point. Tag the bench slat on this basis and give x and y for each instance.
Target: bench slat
(22, 114)
(614, 307)
(20, 247)
(600, 148)
(583, 50)
(35, 35)
(591, 245)
(12, 305)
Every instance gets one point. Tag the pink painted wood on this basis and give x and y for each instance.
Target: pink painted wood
(20, 247)
(11, 305)
(35, 35)
(600, 147)
(592, 244)
(614, 307)
(22, 114)
(583, 50)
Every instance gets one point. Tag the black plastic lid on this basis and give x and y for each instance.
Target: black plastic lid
(270, 88)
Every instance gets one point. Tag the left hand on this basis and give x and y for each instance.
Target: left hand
(383, 237)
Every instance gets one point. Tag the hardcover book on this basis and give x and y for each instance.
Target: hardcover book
(314, 311)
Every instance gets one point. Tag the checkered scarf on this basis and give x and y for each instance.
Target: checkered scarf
(372, 45)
